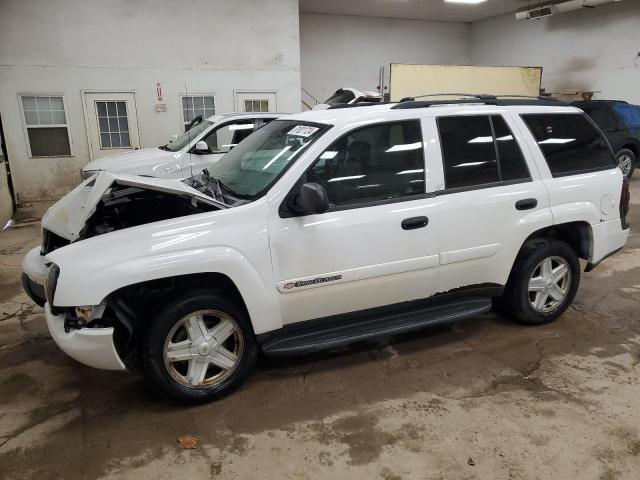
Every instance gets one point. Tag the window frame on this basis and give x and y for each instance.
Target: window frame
(214, 129)
(100, 133)
(25, 127)
(183, 124)
(500, 182)
(572, 172)
(285, 212)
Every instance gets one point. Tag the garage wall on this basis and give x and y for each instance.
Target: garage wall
(347, 51)
(589, 49)
(65, 46)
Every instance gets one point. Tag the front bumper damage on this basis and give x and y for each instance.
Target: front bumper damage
(93, 347)
(34, 273)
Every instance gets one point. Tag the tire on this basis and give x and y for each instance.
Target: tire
(530, 307)
(626, 161)
(181, 357)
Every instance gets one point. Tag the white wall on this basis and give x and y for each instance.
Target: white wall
(589, 49)
(347, 51)
(66, 46)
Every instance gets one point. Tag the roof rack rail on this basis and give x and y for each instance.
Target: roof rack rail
(481, 96)
(544, 101)
(357, 104)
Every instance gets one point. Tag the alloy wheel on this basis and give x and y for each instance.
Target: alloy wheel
(549, 284)
(203, 349)
(625, 162)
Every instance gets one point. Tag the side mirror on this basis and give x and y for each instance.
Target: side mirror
(201, 147)
(172, 138)
(312, 198)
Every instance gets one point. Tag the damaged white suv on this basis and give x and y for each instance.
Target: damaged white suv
(330, 227)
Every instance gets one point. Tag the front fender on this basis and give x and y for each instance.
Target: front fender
(92, 269)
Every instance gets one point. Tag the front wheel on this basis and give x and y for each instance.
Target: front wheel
(626, 161)
(543, 283)
(200, 348)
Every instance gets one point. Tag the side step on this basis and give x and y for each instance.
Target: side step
(298, 338)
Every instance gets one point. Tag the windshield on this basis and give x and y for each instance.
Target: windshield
(187, 137)
(251, 168)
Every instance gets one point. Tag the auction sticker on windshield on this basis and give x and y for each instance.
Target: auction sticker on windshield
(303, 131)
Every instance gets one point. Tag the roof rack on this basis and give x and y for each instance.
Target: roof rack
(480, 96)
(503, 100)
(357, 104)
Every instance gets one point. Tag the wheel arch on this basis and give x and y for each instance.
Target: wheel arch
(578, 235)
(630, 144)
(134, 307)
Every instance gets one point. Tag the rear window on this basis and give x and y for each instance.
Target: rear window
(570, 143)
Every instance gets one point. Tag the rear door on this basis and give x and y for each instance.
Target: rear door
(491, 200)
(378, 243)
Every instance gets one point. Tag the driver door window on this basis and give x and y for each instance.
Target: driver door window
(224, 138)
(372, 164)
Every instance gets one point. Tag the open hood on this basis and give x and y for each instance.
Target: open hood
(68, 217)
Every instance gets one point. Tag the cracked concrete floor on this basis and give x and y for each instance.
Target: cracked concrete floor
(484, 399)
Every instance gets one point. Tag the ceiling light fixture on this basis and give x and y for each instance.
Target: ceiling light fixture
(468, 2)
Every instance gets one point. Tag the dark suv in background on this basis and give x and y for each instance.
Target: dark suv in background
(620, 123)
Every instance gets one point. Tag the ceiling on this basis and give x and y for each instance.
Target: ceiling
(415, 9)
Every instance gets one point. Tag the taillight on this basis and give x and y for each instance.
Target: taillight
(625, 196)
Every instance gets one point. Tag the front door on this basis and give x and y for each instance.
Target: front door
(378, 243)
(112, 123)
(256, 102)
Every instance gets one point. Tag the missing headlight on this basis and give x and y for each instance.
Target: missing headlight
(50, 284)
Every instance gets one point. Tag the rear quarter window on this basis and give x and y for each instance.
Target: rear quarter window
(570, 143)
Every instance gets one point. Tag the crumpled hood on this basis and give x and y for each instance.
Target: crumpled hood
(68, 215)
(152, 162)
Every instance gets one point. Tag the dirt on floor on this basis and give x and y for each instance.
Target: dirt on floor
(481, 399)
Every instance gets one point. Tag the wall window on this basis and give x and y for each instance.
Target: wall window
(479, 150)
(374, 163)
(256, 105)
(570, 143)
(46, 123)
(113, 124)
(194, 105)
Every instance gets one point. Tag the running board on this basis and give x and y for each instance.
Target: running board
(298, 338)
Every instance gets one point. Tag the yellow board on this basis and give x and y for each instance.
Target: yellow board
(415, 80)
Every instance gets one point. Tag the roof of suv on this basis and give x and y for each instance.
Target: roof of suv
(386, 111)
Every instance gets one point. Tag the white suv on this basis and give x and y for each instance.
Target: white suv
(330, 227)
(199, 147)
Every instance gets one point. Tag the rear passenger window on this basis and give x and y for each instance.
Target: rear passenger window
(570, 143)
(512, 163)
(468, 151)
(371, 164)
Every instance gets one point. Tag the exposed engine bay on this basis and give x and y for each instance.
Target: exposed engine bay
(124, 207)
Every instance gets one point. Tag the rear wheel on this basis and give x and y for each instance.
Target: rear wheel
(200, 348)
(543, 282)
(626, 161)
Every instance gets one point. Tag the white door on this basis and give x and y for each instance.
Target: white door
(491, 201)
(378, 243)
(256, 102)
(112, 123)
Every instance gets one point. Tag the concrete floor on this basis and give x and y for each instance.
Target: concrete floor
(485, 399)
